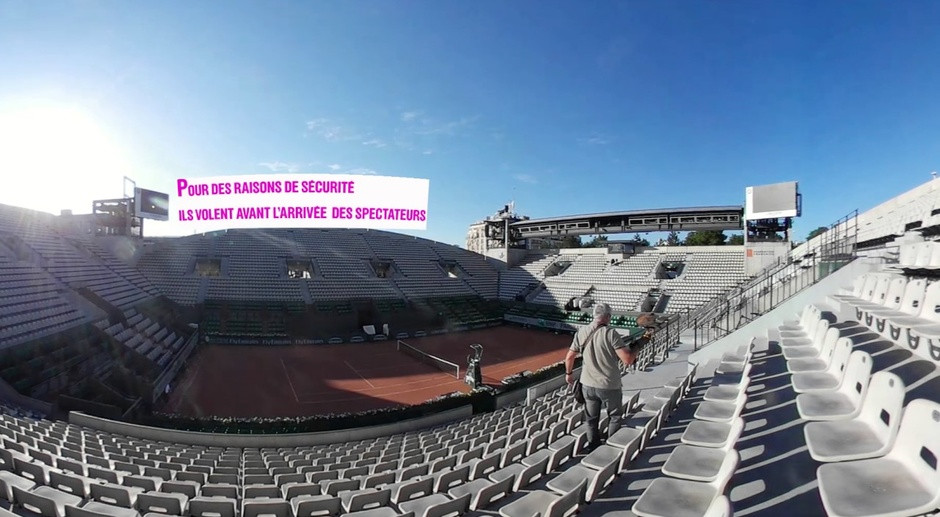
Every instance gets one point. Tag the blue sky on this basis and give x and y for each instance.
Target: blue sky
(563, 107)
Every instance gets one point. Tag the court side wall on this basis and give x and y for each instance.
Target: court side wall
(268, 440)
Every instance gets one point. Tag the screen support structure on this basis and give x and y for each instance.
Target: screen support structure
(136, 221)
(132, 182)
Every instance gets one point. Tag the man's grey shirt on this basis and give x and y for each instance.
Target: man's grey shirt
(600, 365)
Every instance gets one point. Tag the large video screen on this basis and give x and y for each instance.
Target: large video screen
(151, 205)
(771, 201)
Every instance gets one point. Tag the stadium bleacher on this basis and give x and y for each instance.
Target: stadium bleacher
(625, 283)
(826, 403)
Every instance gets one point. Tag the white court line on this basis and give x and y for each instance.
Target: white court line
(286, 374)
(357, 373)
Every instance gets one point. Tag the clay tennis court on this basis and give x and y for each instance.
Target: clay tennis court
(244, 381)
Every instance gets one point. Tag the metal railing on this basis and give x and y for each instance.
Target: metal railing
(802, 267)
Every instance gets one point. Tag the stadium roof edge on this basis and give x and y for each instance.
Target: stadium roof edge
(727, 208)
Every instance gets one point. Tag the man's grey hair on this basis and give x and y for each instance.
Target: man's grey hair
(601, 310)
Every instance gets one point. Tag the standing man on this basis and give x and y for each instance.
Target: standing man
(602, 350)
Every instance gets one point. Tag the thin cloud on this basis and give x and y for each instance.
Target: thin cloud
(445, 128)
(375, 142)
(595, 139)
(408, 116)
(280, 166)
(335, 166)
(526, 178)
(362, 171)
(427, 152)
(331, 131)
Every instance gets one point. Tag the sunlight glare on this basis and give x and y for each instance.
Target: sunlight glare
(55, 157)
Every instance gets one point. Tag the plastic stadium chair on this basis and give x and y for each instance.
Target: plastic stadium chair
(46, 501)
(437, 505)
(483, 492)
(899, 326)
(596, 479)
(910, 305)
(669, 497)
(546, 504)
(811, 349)
(908, 472)
(844, 402)
(868, 435)
(96, 509)
(804, 337)
(721, 411)
(713, 434)
(805, 315)
(697, 463)
(831, 377)
(821, 361)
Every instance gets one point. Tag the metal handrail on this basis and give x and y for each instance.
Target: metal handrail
(776, 283)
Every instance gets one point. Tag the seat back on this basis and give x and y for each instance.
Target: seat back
(602, 478)
(840, 358)
(819, 337)
(569, 503)
(924, 252)
(917, 446)
(737, 427)
(931, 308)
(913, 299)
(881, 288)
(68, 483)
(883, 406)
(858, 285)
(814, 321)
(275, 507)
(530, 474)
(720, 507)
(856, 380)
(726, 470)
(367, 500)
(377, 480)
(935, 257)
(457, 506)
(895, 294)
(314, 507)
(829, 345)
(452, 478)
(806, 316)
(539, 440)
(35, 503)
(492, 493)
(117, 495)
(514, 453)
(414, 490)
(335, 486)
(251, 491)
(156, 502)
(485, 466)
(907, 254)
(871, 283)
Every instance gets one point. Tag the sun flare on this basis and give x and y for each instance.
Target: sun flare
(55, 156)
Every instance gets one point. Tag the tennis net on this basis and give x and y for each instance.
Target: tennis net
(426, 358)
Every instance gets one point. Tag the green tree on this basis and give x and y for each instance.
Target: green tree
(817, 231)
(736, 240)
(705, 238)
(640, 241)
(672, 239)
(571, 241)
(597, 242)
